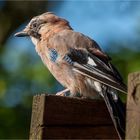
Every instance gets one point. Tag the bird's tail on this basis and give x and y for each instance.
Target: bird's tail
(117, 111)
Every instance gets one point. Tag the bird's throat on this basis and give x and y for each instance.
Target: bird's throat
(34, 40)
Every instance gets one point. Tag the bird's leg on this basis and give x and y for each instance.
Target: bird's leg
(63, 92)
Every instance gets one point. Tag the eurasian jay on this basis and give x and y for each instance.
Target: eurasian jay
(78, 63)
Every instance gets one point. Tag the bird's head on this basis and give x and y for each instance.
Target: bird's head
(42, 24)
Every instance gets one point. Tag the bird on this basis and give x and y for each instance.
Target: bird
(78, 63)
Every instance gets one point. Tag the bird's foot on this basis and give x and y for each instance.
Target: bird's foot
(63, 92)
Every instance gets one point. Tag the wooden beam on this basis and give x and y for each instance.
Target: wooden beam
(56, 117)
(133, 107)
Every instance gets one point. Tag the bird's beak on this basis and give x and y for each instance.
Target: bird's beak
(22, 33)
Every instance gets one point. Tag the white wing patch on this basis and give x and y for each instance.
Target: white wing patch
(90, 82)
(97, 86)
(94, 84)
(91, 61)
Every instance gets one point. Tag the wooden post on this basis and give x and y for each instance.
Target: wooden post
(133, 107)
(56, 117)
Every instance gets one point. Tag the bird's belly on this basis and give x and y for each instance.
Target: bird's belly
(63, 74)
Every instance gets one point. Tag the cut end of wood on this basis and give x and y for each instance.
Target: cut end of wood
(133, 107)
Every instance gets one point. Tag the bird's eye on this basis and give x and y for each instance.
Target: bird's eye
(34, 25)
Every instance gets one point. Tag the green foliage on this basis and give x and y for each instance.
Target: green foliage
(126, 60)
(14, 122)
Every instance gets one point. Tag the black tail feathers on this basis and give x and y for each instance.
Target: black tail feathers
(117, 112)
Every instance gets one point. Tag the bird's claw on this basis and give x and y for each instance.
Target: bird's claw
(62, 93)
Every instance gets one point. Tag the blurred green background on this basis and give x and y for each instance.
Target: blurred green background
(113, 24)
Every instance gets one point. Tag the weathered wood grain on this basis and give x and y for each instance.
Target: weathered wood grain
(133, 107)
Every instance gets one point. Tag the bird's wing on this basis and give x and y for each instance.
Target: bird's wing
(95, 64)
(87, 58)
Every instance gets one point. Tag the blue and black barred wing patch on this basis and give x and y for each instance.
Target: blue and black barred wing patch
(53, 55)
